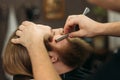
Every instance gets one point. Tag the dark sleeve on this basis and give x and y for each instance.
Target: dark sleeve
(21, 77)
(110, 70)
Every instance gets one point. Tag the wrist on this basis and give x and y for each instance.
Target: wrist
(35, 46)
(106, 28)
(101, 29)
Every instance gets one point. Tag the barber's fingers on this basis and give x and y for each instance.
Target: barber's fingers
(16, 40)
(69, 26)
(27, 23)
(19, 33)
(21, 27)
(71, 17)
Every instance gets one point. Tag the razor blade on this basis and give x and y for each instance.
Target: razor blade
(87, 10)
(61, 38)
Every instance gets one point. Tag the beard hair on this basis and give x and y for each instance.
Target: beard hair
(75, 53)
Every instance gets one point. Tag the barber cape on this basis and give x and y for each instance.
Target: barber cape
(110, 70)
(76, 74)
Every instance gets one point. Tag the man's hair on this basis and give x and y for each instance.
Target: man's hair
(16, 60)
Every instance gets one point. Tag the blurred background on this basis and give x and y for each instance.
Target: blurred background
(54, 13)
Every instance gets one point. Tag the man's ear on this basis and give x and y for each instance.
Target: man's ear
(53, 56)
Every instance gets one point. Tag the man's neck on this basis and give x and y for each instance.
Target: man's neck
(62, 68)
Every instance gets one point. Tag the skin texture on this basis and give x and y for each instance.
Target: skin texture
(64, 56)
(40, 52)
(89, 27)
(84, 24)
(27, 37)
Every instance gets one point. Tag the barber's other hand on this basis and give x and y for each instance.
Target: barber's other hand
(31, 34)
(87, 26)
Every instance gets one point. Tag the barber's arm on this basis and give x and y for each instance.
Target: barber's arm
(89, 27)
(32, 37)
(111, 29)
(108, 4)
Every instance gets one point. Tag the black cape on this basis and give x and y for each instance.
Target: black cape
(76, 74)
(110, 70)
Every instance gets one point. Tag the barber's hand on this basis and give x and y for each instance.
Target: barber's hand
(87, 26)
(31, 34)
